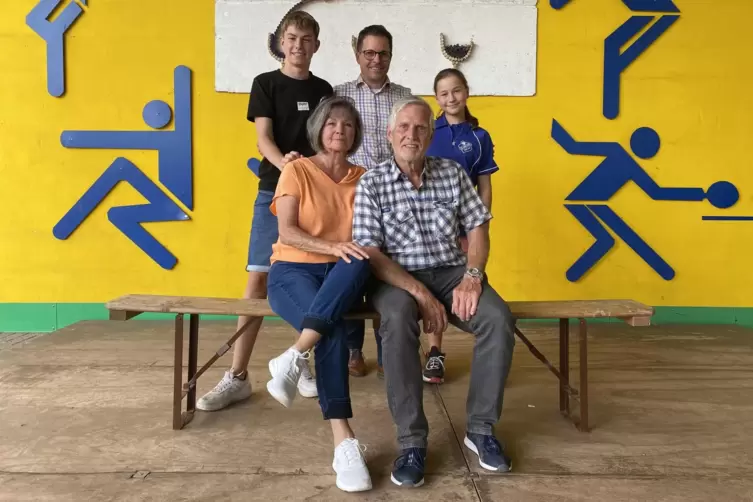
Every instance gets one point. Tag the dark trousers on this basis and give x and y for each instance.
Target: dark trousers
(316, 296)
(493, 327)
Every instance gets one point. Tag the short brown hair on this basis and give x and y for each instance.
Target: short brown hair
(317, 119)
(301, 20)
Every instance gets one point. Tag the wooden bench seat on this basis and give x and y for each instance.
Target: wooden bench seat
(129, 306)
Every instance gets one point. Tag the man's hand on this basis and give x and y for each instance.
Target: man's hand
(465, 298)
(345, 249)
(433, 314)
(288, 158)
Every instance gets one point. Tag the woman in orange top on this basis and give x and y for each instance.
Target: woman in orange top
(318, 272)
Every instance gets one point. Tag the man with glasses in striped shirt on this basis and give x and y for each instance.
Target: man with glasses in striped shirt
(374, 96)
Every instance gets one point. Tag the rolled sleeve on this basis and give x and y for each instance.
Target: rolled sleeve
(472, 212)
(289, 184)
(367, 217)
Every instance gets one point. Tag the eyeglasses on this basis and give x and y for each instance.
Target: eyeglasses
(369, 54)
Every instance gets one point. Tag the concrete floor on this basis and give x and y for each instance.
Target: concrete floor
(86, 415)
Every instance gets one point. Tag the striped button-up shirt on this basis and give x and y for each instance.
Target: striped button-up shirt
(374, 106)
(417, 228)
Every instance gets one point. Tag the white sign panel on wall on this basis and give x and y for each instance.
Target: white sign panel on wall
(502, 62)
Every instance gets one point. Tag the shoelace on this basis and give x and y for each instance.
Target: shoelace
(411, 458)
(224, 384)
(434, 363)
(492, 445)
(306, 371)
(352, 451)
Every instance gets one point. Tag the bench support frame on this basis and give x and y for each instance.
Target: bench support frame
(187, 389)
(566, 392)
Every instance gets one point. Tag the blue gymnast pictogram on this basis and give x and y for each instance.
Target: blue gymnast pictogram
(175, 172)
(53, 32)
(616, 61)
(616, 170)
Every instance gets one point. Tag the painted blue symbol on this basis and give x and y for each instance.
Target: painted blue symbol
(53, 33)
(175, 172)
(633, 5)
(254, 164)
(174, 147)
(616, 62)
(127, 219)
(615, 171)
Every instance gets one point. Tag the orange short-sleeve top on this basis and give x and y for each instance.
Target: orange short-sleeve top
(325, 208)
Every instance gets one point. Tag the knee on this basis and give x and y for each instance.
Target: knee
(399, 316)
(256, 287)
(500, 321)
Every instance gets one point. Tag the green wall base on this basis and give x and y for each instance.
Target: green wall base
(45, 317)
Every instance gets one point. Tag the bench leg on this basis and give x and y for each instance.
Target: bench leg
(193, 355)
(583, 344)
(178, 374)
(564, 366)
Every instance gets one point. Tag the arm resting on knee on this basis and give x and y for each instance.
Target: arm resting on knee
(386, 270)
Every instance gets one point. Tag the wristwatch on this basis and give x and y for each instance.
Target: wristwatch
(475, 273)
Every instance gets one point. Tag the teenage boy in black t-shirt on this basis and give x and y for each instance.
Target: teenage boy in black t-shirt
(279, 105)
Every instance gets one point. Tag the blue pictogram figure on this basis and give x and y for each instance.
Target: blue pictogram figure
(615, 171)
(127, 219)
(616, 62)
(53, 33)
(633, 5)
(254, 165)
(175, 172)
(174, 147)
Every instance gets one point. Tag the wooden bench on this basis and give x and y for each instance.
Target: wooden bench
(127, 307)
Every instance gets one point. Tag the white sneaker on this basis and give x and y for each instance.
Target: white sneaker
(286, 371)
(350, 466)
(230, 390)
(307, 382)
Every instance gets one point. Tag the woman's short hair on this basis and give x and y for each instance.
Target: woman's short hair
(321, 113)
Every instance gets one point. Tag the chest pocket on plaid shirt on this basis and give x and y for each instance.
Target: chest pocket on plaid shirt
(400, 228)
(445, 221)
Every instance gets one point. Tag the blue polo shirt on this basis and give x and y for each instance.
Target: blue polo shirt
(470, 147)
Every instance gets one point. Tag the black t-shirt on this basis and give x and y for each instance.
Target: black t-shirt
(288, 102)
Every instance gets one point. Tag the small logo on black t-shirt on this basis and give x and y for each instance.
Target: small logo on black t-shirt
(303, 106)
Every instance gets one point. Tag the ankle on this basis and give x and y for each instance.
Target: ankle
(240, 375)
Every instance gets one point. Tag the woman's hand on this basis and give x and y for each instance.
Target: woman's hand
(345, 249)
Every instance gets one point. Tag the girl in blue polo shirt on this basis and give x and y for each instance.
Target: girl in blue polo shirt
(458, 137)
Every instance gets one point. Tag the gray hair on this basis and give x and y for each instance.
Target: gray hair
(409, 101)
(317, 119)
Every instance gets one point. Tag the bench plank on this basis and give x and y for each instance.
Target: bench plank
(632, 312)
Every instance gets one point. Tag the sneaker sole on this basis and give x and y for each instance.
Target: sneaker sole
(350, 489)
(433, 380)
(407, 485)
(308, 394)
(469, 444)
(206, 407)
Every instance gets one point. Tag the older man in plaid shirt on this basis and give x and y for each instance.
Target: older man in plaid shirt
(374, 95)
(406, 216)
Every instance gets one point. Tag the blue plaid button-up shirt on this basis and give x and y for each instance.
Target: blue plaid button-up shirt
(417, 228)
(374, 106)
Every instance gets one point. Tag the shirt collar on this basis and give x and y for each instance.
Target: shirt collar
(359, 81)
(441, 122)
(395, 172)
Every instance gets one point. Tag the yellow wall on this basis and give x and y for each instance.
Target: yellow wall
(692, 86)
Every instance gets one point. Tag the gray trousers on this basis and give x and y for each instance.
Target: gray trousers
(493, 328)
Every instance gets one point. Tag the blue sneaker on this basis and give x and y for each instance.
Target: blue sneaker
(491, 455)
(409, 468)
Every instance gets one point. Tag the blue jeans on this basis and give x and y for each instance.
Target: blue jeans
(263, 233)
(316, 296)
